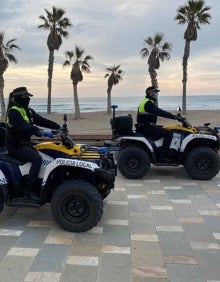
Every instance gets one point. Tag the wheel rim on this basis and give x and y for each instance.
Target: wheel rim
(204, 165)
(133, 163)
(75, 209)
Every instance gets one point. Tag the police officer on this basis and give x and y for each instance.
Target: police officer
(20, 124)
(147, 118)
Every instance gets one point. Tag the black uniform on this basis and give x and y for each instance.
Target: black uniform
(146, 123)
(20, 130)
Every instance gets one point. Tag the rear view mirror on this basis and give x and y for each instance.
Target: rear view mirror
(179, 110)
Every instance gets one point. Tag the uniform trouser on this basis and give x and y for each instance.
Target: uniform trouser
(28, 154)
(157, 132)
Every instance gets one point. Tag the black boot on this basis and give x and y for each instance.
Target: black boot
(32, 195)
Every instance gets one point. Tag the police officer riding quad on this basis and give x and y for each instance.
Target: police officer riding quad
(196, 148)
(73, 178)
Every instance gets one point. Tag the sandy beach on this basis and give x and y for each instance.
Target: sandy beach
(99, 122)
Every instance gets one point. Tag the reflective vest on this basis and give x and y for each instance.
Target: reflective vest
(141, 109)
(22, 112)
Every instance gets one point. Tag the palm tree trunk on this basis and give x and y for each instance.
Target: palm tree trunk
(76, 102)
(153, 76)
(49, 84)
(184, 81)
(109, 90)
(2, 96)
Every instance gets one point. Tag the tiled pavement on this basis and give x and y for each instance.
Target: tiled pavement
(165, 227)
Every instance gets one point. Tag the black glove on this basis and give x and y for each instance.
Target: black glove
(179, 118)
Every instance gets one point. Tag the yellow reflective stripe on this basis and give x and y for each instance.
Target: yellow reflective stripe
(141, 108)
(21, 111)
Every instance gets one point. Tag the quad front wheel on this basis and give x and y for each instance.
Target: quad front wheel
(133, 162)
(202, 163)
(76, 206)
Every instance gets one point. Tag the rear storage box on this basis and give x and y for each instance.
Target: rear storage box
(122, 125)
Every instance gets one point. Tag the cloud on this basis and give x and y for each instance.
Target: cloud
(113, 33)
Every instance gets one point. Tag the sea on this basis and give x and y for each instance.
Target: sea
(94, 104)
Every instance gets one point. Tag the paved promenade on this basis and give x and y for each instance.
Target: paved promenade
(164, 227)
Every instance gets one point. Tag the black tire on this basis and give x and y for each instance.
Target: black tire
(202, 163)
(76, 206)
(1, 202)
(133, 162)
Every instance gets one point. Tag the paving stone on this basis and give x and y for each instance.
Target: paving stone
(76, 273)
(14, 268)
(159, 200)
(6, 243)
(202, 202)
(141, 224)
(139, 278)
(183, 273)
(198, 232)
(115, 212)
(204, 246)
(110, 249)
(174, 243)
(196, 219)
(83, 247)
(176, 193)
(83, 260)
(135, 190)
(144, 237)
(146, 254)
(209, 262)
(215, 196)
(180, 259)
(164, 217)
(213, 223)
(117, 196)
(192, 190)
(116, 235)
(138, 205)
(59, 236)
(114, 267)
(42, 277)
(32, 237)
(184, 210)
(150, 272)
(50, 258)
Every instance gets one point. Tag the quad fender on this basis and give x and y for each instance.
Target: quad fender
(136, 139)
(68, 162)
(196, 137)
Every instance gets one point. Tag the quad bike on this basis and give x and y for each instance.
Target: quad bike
(196, 148)
(73, 178)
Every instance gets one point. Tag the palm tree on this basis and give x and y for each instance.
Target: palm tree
(193, 14)
(57, 24)
(6, 56)
(155, 52)
(114, 75)
(79, 66)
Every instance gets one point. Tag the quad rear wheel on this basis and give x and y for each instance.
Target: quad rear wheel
(133, 162)
(202, 163)
(76, 206)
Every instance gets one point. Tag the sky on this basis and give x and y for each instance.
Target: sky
(113, 32)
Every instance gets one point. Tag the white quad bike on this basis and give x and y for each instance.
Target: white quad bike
(196, 148)
(73, 178)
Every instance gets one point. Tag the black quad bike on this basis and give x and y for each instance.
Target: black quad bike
(196, 148)
(73, 178)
